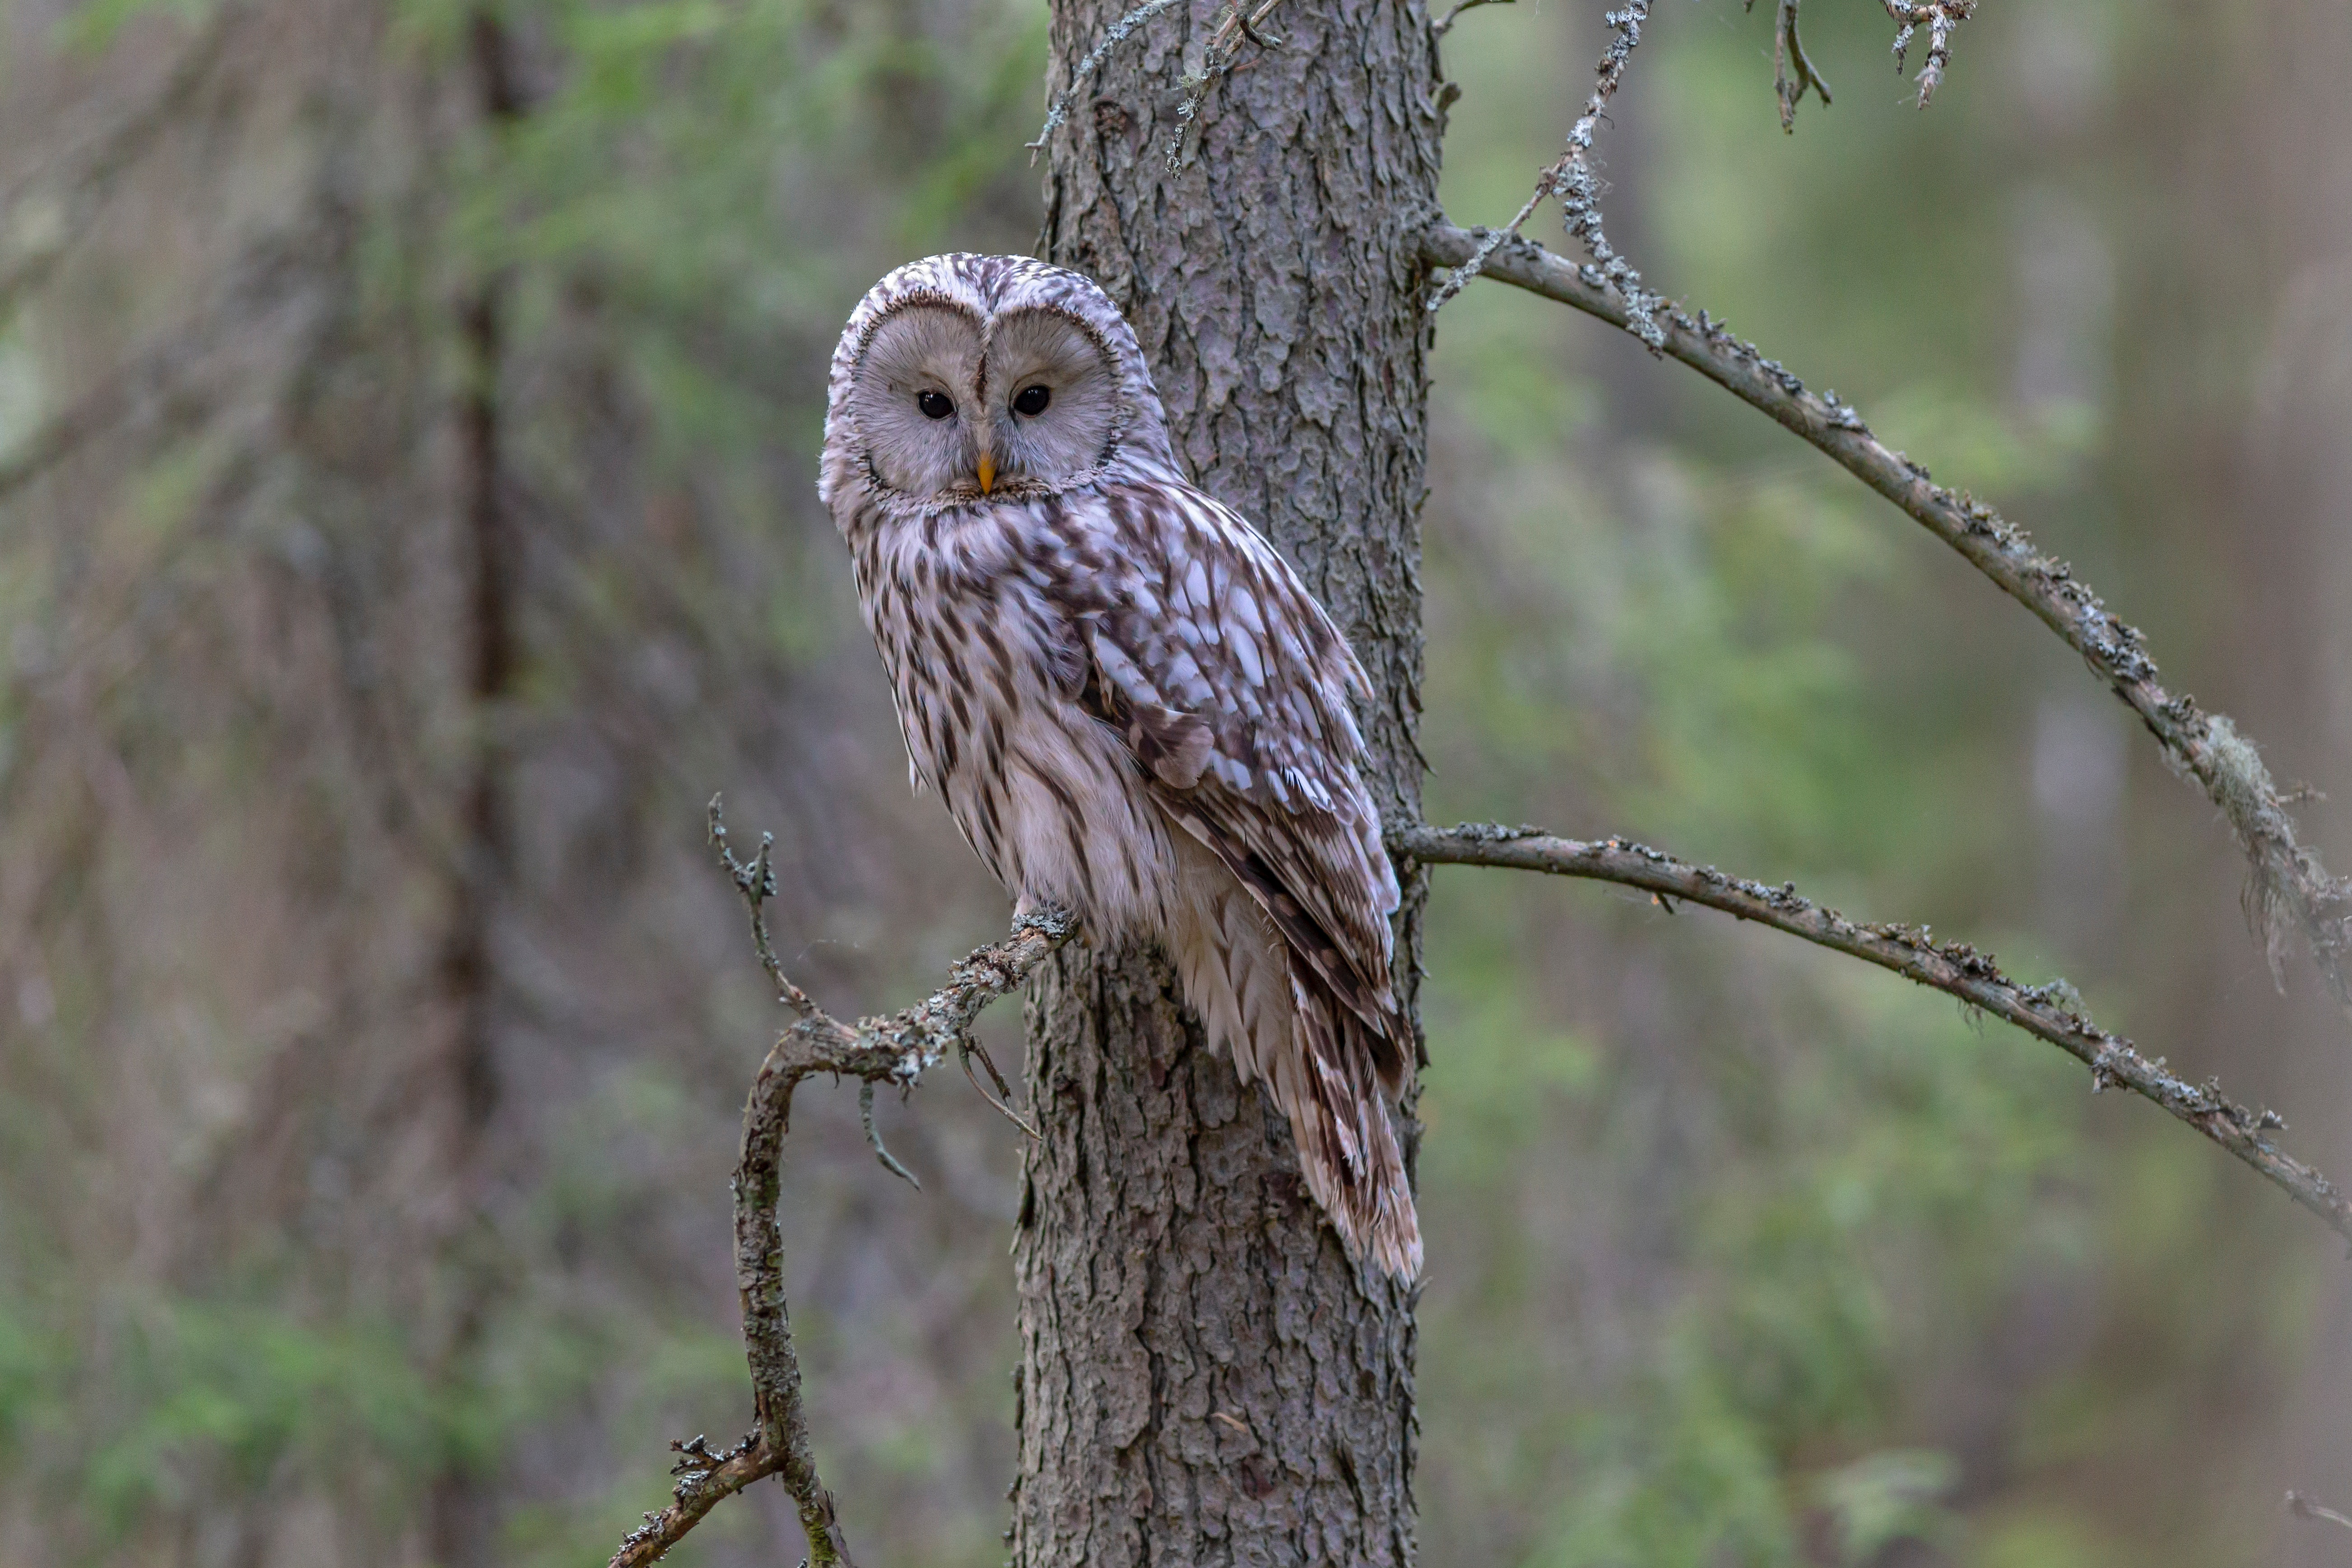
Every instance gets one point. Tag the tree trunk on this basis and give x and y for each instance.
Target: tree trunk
(1205, 1378)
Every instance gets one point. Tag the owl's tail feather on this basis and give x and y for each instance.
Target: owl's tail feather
(1319, 1059)
(1347, 1142)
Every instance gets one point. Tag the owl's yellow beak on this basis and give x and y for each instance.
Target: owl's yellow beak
(987, 473)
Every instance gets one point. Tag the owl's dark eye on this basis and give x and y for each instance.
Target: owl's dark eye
(1031, 400)
(934, 404)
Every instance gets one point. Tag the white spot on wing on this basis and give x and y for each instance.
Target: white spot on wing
(1245, 649)
(1243, 607)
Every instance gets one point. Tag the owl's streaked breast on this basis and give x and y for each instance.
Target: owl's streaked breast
(981, 672)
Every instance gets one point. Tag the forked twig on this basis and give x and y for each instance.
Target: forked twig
(972, 1047)
(1572, 181)
(1058, 113)
(1793, 72)
(894, 1050)
(874, 1139)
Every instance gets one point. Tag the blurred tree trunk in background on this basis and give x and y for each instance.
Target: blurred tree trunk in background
(462, 1513)
(368, 973)
(1205, 1377)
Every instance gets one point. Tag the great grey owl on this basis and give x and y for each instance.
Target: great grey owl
(1129, 703)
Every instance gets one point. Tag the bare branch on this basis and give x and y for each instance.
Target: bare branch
(704, 1478)
(1058, 114)
(2048, 1012)
(2289, 889)
(2302, 1507)
(1792, 69)
(896, 1050)
(755, 882)
(1572, 181)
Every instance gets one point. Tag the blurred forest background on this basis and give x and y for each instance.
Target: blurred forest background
(407, 421)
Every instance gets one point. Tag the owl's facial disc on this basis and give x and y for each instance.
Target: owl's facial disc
(1053, 395)
(915, 402)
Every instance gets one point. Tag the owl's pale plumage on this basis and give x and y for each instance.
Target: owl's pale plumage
(1128, 701)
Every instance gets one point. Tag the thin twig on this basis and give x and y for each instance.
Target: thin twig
(2302, 1507)
(1058, 114)
(2050, 1012)
(2290, 888)
(1217, 60)
(756, 883)
(972, 1047)
(1572, 181)
(1491, 241)
(1792, 69)
(1446, 24)
(897, 1050)
(874, 1138)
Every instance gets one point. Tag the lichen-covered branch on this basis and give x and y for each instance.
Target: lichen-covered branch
(1942, 18)
(1204, 65)
(1058, 113)
(1572, 181)
(2050, 1012)
(2291, 889)
(897, 1050)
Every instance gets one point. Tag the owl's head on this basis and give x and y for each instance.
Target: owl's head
(967, 378)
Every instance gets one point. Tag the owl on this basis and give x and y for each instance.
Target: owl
(1126, 699)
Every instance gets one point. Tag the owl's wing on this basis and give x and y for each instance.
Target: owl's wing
(1231, 685)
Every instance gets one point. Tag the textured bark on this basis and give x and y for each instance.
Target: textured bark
(1205, 1378)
